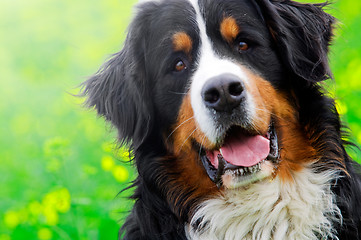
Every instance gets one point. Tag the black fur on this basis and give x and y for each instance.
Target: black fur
(140, 94)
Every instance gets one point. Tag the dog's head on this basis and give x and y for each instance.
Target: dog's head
(218, 89)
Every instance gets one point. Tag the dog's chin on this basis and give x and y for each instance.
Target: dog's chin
(242, 158)
(237, 178)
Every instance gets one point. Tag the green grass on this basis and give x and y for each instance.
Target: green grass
(59, 169)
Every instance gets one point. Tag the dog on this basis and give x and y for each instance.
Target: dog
(232, 134)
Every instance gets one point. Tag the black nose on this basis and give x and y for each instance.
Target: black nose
(223, 93)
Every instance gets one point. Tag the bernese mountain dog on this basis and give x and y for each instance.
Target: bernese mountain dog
(231, 130)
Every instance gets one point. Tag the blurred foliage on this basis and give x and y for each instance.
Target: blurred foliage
(60, 168)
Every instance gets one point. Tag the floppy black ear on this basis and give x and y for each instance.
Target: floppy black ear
(117, 91)
(302, 33)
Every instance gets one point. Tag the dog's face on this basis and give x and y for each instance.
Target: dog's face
(216, 83)
(213, 77)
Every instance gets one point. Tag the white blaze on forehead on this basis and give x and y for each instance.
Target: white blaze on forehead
(210, 65)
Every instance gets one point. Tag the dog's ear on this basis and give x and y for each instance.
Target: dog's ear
(117, 91)
(302, 33)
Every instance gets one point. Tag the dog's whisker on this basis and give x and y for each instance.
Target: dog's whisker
(187, 138)
(179, 93)
(179, 127)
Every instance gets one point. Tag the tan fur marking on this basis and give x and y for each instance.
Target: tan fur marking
(188, 167)
(296, 148)
(229, 29)
(182, 42)
(187, 129)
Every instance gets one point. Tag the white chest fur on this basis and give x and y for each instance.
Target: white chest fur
(303, 209)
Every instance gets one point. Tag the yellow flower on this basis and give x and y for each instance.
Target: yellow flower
(107, 163)
(51, 216)
(120, 173)
(124, 154)
(58, 200)
(63, 200)
(54, 202)
(35, 208)
(45, 234)
(49, 200)
(11, 219)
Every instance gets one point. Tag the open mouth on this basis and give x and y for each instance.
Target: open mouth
(242, 158)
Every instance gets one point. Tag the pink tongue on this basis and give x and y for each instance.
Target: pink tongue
(244, 151)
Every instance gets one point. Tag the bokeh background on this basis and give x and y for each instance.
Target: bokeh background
(60, 169)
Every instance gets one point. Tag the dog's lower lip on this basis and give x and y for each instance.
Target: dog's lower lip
(215, 174)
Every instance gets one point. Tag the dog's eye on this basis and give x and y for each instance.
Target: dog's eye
(242, 46)
(179, 66)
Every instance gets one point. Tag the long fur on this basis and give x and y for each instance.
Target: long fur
(272, 210)
(314, 194)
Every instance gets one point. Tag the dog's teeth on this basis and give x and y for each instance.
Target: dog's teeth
(220, 150)
(243, 171)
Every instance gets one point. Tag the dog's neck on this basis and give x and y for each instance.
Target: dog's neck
(303, 209)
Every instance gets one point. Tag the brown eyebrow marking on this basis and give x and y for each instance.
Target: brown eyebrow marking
(229, 29)
(182, 42)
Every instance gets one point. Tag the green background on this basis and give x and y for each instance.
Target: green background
(59, 171)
